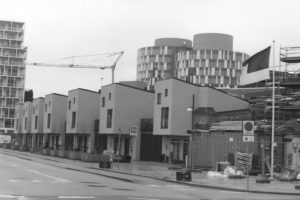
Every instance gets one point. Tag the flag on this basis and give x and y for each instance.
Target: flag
(256, 68)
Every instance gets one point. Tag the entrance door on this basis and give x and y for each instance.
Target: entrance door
(126, 145)
(151, 146)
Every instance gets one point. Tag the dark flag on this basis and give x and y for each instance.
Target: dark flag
(258, 61)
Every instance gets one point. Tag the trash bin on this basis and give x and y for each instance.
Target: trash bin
(183, 176)
(104, 161)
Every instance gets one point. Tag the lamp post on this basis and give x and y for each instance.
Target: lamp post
(192, 131)
(119, 146)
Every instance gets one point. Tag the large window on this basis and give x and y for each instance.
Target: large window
(158, 98)
(109, 118)
(164, 117)
(103, 101)
(35, 122)
(25, 126)
(48, 120)
(73, 120)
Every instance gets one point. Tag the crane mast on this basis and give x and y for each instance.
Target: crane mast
(112, 67)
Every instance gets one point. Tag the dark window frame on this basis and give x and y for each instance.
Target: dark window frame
(109, 118)
(164, 120)
(158, 98)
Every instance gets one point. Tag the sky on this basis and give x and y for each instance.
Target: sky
(56, 29)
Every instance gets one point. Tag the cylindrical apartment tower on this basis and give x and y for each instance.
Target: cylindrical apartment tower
(158, 62)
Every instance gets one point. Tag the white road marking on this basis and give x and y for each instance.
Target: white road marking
(12, 196)
(153, 185)
(36, 181)
(57, 180)
(141, 198)
(14, 181)
(76, 197)
(177, 186)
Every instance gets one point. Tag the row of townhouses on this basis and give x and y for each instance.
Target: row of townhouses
(124, 118)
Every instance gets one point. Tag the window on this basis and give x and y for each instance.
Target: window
(73, 100)
(109, 96)
(25, 126)
(158, 98)
(35, 122)
(49, 120)
(166, 92)
(45, 107)
(49, 104)
(164, 117)
(69, 105)
(103, 102)
(73, 120)
(109, 118)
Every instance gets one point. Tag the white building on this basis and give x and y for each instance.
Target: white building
(12, 72)
(54, 125)
(123, 105)
(82, 111)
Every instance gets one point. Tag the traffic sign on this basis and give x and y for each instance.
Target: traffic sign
(248, 138)
(5, 138)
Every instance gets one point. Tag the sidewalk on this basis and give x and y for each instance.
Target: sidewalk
(167, 172)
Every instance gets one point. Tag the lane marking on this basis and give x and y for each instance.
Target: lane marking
(76, 197)
(14, 181)
(36, 181)
(154, 186)
(141, 198)
(177, 186)
(12, 196)
(57, 180)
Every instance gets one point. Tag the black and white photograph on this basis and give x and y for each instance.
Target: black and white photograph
(150, 99)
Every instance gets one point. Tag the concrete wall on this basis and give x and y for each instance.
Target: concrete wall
(220, 101)
(27, 114)
(38, 111)
(213, 41)
(58, 110)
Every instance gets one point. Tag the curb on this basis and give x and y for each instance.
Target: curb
(161, 179)
(202, 185)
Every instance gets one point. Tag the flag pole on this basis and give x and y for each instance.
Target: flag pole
(273, 113)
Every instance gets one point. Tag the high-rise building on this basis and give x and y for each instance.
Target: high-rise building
(12, 71)
(209, 61)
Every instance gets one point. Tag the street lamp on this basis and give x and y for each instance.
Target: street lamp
(192, 131)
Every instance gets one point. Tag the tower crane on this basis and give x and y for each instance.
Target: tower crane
(112, 67)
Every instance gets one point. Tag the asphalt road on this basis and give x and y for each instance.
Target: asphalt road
(25, 177)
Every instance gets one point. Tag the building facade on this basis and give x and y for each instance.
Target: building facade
(12, 72)
(210, 61)
(174, 112)
(123, 106)
(37, 122)
(54, 125)
(26, 139)
(158, 62)
(82, 113)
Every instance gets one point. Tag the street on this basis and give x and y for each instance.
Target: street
(25, 177)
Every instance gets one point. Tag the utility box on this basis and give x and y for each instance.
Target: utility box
(183, 176)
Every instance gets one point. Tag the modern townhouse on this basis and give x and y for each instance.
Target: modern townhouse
(54, 121)
(123, 106)
(26, 139)
(37, 122)
(177, 110)
(83, 108)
